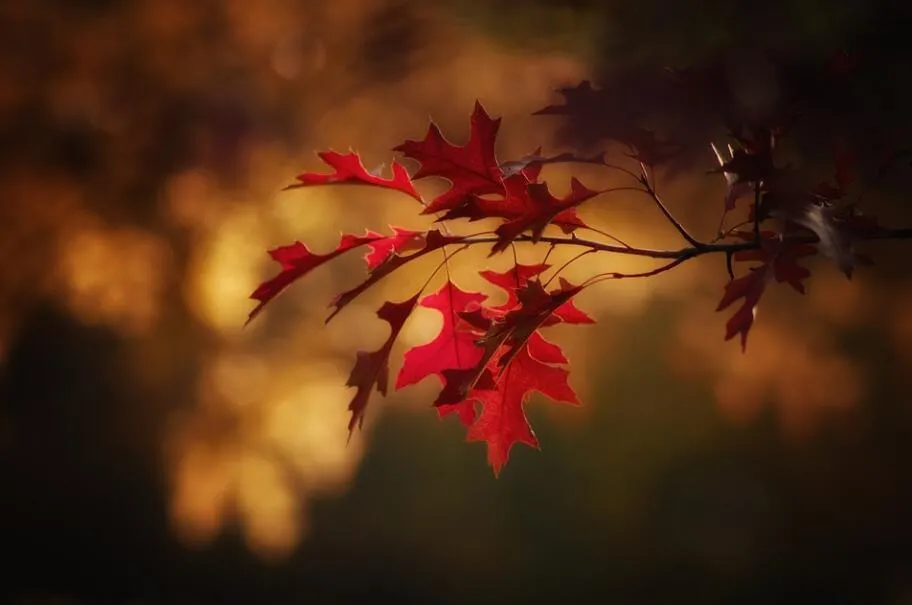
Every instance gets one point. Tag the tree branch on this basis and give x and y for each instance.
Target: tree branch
(650, 190)
(699, 249)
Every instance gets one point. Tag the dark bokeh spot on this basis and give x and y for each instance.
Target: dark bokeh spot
(392, 41)
(78, 494)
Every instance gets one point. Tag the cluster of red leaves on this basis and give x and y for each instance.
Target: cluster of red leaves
(485, 356)
(490, 358)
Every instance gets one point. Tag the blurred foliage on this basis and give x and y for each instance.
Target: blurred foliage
(754, 60)
(655, 32)
(153, 452)
(537, 25)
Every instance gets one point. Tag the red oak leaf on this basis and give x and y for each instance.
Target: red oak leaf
(350, 170)
(454, 346)
(372, 369)
(749, 287)
(559, 301)
(511, 281)
(471, 169)
(495, 325)
(513, 361)
(783, 259)
(779, 260)
(569, 313)
(297, 260)
(544, 209)
(515, 203)
(516, 278)
(402, 240)
(537, 309)
(433, 240)
(502, 422)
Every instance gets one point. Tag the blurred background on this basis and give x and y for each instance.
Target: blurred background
(153, 451)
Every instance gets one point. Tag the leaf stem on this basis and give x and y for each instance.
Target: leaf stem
(567, 264)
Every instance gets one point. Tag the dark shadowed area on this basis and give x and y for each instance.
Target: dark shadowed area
(154, 451)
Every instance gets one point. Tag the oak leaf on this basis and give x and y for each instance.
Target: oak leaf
(779, 262)
(502, 422)
(454, 346)
(371, 369)
(515, 203)
(350, 171)
(544, 209)
(472, 169)
(297, 260)
(514, 360)
(402, 240)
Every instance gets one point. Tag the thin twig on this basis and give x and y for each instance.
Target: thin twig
(608, 235)
(548, 253)
(613, 275)
(720, 234)
(567, 264)
(626, 171)
(723, 234)
(757, 211)
(650, 190)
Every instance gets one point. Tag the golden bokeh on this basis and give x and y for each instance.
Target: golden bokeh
(266, 434)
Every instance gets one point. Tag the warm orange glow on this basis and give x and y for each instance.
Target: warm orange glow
(267, 506)
(287, 443)
(900, 323)
(289, 410)
(202, 483)
(265, 430)
(225, 264)
(114, 277)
